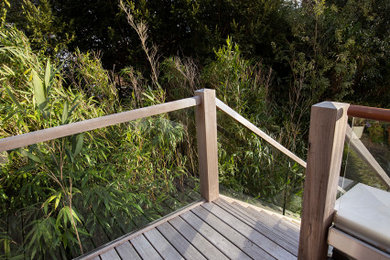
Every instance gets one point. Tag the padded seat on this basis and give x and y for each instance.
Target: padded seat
(364, 212)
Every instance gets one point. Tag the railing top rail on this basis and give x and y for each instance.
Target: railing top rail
(373, 113)
(236, 116)
(48, 134)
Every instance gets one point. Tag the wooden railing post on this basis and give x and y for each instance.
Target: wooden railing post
(328, 122)
(206, 122)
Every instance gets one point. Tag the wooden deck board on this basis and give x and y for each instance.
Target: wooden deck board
(179, 242)
(110, 255)
(278, 224)
(214, 237)
(240, 241)
(216, 230)
(247, 231)
(274, 235)
(144, 248)
(165, 249)
(127, 251)
(197, 240)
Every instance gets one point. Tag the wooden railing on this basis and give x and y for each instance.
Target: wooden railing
(373, 113)
(206, 123)
(328, 130)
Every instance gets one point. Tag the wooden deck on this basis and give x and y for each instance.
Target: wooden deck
(223, 229)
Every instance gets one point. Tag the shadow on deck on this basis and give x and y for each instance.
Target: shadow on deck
(223, 229)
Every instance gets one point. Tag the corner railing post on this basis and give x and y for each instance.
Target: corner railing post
(328, 121)
(206, 122)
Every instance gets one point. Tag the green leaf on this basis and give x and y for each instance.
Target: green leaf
(65, 113)
(31, 156)
(13, 98)
(57, 201)
(47, 74)
(78, 144)
(75, 215)
(39, 90)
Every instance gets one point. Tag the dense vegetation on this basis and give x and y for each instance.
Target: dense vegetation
(66, 61)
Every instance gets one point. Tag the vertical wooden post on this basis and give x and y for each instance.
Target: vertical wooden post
(328, 122)
(206, 122)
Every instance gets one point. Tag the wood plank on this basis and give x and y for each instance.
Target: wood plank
(129, 236)
(127, 251)
(246, 245)
(354, 247)
(144, 248)
(273, 222)
(214, 237)
(296, 223)
(206, 130)
(179, 242)
(196, 239)
(247, 231)
(289, 244)
(236, 116)
(110, 255)
(363, 152)
(328, 122)
(91, 124)
(165, 249)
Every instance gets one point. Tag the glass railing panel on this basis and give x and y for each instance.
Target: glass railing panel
(252, 170)
(65, 197)
(366, 154)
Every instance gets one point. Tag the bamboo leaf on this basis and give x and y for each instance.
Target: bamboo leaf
(65, 113)
(75, 215)
(78, 144)
(39, 90)
(47, 73)
(57, 201)
(13, 98)
(31, 156)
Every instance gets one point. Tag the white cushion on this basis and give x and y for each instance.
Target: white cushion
(364, 212)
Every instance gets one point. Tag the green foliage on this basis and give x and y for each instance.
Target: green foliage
(4, 8)
(278, 60)
(57, 188)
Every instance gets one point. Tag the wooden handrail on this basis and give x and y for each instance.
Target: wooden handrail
(361, 149)
(373, 113)
(236, 116)
(48, 134)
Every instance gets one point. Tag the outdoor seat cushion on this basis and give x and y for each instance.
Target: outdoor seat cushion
(364, 212)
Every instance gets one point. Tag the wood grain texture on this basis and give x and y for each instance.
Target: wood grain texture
(127, 237)
(249, 233)
(144, 248)
(363, 152)
(269, 231)
(179, 242)
(163, 247)
(196, 239)
(353, 247)
(206, 129)
(127, 252)
(218, 240)
(244, 244)
(236, 116)
(110, 255)
(18, 141)
(328, 122)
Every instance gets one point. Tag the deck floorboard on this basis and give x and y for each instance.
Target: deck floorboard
(218, 230)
